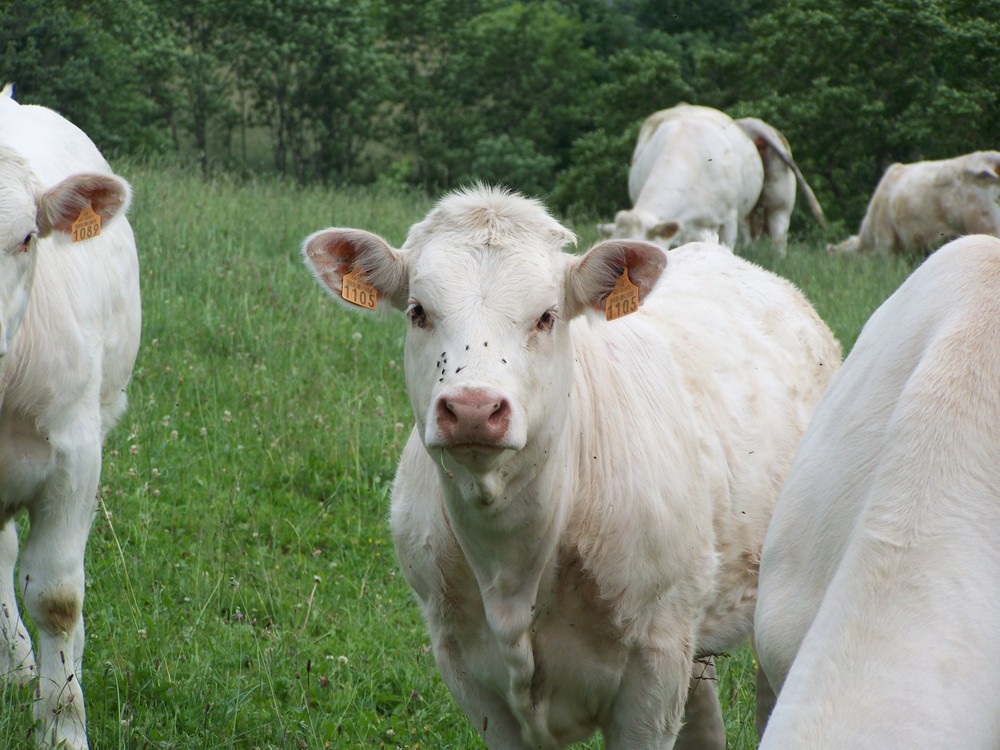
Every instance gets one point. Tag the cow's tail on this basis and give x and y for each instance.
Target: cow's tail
(778, 148)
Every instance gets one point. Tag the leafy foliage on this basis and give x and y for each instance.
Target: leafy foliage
(542, 95)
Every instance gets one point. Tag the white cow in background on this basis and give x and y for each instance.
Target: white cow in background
(694, 172)
(918, 207)
(581, 504)
(69, 335)
(773, 212)
(878, 608)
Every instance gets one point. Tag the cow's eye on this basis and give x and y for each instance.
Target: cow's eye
(418, 318)
(546, 322)
(26, 243)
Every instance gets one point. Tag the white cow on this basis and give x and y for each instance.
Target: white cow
(69, 334)
(581, 503)
(773, 212)
(694, 171)
(878, 609)
(918, 207)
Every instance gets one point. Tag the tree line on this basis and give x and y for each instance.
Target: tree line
(543, 95)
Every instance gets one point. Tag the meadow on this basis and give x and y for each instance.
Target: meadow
(242, 586)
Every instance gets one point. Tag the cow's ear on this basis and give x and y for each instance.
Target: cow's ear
(665, 230)
(60, 206)
(983, 167)
(591, 278)
(358, 268)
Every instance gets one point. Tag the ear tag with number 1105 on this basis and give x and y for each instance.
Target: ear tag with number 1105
(358, 291)
(623, 299)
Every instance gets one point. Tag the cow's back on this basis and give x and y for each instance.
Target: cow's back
(686, 164)
(753, 390)
(55, 147)
(887, 534)
(917, 207)
(723, 364)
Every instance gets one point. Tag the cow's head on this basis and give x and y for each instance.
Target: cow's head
(636, 225)
(28, 213)
(489, 295)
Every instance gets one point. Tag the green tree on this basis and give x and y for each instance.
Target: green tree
(80, 62)
(638, 83)
(501, 94)
(313, 72)
(858, 85)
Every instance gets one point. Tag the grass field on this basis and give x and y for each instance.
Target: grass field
(242, 586)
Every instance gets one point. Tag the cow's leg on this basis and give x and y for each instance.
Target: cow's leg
(704, 727)
(487, 710)
(17, 663)
(777, 228)
(735, 231)
(764, 700)
(649, 708)
(52, 587)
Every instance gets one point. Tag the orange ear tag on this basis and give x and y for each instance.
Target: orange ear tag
(359, 292)
(623, 300)
(87, 225)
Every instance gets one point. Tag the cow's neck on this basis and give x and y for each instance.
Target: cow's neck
(508, 520)
(509, 524)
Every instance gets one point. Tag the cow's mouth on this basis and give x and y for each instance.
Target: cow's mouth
(477, 457)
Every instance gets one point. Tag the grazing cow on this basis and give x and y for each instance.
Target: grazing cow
(580, 506)
(694, 171)
(773, 212)
(918, 207)
(69, 334)
(877, 613)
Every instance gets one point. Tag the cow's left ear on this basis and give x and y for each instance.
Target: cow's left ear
(591, 278)
(358, 268)
(60, 206)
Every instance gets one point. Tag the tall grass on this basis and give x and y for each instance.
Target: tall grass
(242, 587)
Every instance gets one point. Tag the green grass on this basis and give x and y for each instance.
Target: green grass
(242, 586)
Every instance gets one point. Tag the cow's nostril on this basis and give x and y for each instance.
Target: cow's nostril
(446, 416)
(500, 414)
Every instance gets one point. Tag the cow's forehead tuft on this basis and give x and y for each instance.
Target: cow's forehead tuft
(490, 217)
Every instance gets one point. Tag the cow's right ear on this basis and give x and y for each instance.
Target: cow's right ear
(358, 268)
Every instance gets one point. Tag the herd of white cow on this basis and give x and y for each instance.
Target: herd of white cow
(623, 461)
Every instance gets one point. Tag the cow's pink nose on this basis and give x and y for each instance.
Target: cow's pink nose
(472, 417)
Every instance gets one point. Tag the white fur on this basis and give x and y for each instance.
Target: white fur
(878, 613)
(773, 212)
(71, 317)
(919, 207)
(569, 581)
(692, 169)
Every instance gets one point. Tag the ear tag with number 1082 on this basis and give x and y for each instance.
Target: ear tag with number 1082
(359, 292)
(623, 299)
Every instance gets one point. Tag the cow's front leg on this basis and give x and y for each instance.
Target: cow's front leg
(475, 691)
(17, 662)
(52, 587)
(704, 727)
(649, 708)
